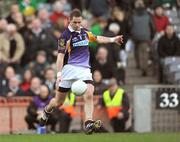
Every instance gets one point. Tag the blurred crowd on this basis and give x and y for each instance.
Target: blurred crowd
(28, 44)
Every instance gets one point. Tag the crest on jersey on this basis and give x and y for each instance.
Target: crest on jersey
(62, 43)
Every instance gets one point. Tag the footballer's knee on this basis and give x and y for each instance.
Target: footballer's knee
(88, 96)
(89, 92)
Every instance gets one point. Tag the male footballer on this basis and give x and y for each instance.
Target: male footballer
(74, 41)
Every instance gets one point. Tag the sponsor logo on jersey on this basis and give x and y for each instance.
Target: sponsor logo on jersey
(75, 39)
(81, 43)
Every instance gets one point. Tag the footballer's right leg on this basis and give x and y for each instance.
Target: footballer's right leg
(57, 101)
(90, 126)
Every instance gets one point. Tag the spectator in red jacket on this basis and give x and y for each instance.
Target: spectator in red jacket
(26, 83)
(58, 13)
(160, 20)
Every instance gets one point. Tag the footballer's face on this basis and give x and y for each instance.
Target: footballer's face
(75, 23)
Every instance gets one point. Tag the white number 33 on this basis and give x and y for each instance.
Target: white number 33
(169, 100)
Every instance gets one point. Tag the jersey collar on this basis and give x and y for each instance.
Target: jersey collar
(71, 29)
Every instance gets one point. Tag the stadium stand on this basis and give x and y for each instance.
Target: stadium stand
(40, 24)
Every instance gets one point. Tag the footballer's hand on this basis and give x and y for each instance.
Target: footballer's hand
(59, 79)
(118, 39)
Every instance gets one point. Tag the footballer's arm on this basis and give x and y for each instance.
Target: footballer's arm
(59, 65)
(116, 39)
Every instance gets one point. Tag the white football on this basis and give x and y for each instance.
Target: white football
(79, 87)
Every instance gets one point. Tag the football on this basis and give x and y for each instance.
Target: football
(79, 87)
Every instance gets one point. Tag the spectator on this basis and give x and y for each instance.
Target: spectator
(117, 54)
(38, 39)
(97, 27)
(103, 65)
(168, 45)
(117, 104)
(125, 4)
(113, 49)
(39, 65)
(3, 25)
(165, 2)
(13, 88)
(77, 4)
(58, 13)
(19, 21)
(43, 16)
(13, 10)
(99, 8)
(29, 7)
(8, 74)
(120, 18)
(160, 20)
(26, 83)
(23, 25)
(34, 88)
(12, 46)
(36, 107)
(178, 3)
(50, 80)
(100, 87)
(142, 36)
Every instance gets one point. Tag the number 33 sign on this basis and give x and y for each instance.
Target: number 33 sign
(168, 98)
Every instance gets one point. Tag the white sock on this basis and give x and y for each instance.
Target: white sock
(88, 109)
(47, 110)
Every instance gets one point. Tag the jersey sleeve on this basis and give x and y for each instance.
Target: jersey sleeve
(62, 44)
(92, 37)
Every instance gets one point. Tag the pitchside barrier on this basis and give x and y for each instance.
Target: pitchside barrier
(14, 109)
(156, 108)
(12, 113)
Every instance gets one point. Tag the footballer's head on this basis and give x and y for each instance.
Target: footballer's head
(75, 19)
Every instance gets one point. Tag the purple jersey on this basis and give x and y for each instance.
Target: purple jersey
(40, 104)
(76, 45)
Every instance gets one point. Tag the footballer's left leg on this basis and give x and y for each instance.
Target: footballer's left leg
(61, 92)
(55, 102)
(90, 125)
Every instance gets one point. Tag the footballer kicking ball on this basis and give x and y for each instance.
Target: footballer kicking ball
(79, 87)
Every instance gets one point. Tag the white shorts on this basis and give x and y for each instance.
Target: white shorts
(71, 73)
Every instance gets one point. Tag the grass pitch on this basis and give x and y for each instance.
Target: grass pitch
(106, 137)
